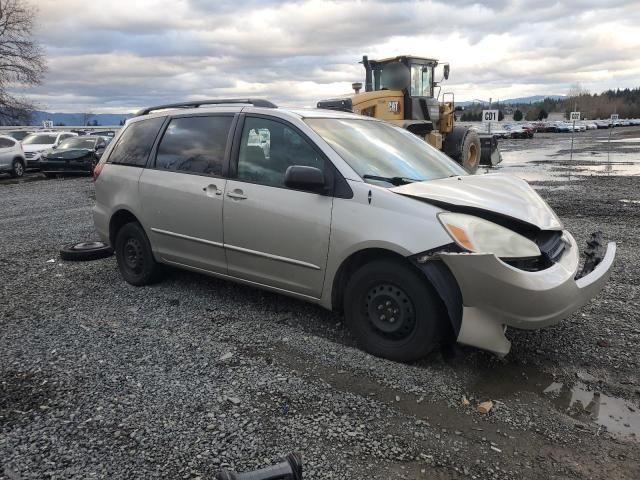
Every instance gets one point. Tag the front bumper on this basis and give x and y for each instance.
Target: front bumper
(33, 160)
(66, 166)
(496, 295)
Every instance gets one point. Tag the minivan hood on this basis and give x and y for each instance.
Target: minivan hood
(497, 193)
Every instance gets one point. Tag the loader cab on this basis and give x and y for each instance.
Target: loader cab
(413, 74)
(413, 78)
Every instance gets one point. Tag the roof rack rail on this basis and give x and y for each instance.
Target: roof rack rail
(256, 102)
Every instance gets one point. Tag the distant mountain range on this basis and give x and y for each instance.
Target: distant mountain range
(513, 101)
(79, 119)
(102, 119)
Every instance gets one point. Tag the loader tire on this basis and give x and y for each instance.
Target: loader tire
(463, 145)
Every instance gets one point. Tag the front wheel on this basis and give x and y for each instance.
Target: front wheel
(471, 151)
(17, 168)
(133, 254)
(393, 312)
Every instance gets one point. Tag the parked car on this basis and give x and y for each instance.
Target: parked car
(36, 143)
(12, 158)
(346, 211)
(73, 155)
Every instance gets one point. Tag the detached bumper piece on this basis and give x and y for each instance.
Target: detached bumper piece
(496, 294)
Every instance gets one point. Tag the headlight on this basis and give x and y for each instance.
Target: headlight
(482, 236)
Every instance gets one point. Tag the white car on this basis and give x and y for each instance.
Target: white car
(12, 158)
(36, 143)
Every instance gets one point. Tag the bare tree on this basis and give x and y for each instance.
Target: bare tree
(21, 59)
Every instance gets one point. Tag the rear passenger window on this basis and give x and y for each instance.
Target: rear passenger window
(6, 143)
(136, 142)
(194, 145)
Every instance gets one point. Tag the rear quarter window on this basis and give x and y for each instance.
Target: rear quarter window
(136, 142)
(6, 143)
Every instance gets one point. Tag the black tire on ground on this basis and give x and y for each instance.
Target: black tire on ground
(83, 251)
(17, 168)
(393, 312)
(135, 258)
(463, 145)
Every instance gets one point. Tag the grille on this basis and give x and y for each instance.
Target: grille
(551, 246)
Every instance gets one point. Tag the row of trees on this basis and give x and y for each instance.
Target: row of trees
(625, 102)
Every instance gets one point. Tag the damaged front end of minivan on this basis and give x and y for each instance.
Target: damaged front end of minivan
(504, 270)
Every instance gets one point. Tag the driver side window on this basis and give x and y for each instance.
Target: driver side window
(268, 148)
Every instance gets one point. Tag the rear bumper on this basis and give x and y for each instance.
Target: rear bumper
(101, 223)
(496, 295)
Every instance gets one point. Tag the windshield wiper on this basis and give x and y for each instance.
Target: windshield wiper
(396, 181)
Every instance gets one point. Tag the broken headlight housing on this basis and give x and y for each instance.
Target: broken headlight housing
(475, 234)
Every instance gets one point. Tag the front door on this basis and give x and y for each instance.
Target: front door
(274, 235)
(182, 192)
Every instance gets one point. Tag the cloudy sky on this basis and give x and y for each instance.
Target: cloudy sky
(118, 55)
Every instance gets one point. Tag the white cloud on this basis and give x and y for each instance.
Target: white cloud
(105, 55)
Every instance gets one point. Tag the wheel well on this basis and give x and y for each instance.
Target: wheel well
(19, 158)
(350, 265)
(118, 220)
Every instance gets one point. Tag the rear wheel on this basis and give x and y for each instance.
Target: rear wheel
(134, 256)
(393, 312)
(17, 168)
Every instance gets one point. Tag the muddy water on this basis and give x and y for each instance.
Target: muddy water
(580, 399)
(547, 157)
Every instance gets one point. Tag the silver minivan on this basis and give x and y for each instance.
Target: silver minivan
(345, 211)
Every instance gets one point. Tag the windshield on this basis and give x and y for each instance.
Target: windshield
(77, 142)
(383, 150)
(39, 139)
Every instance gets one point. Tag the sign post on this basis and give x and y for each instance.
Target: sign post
(489, 116)
(614, 118)
(573, 117)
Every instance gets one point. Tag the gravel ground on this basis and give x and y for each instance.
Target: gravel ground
(99, 379)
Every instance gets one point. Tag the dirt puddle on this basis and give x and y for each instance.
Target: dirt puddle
(618, 416)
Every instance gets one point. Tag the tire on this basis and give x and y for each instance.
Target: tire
(471, 151)
(84, 251)
(135, 258)
(394, 288)
(463, 145)
(17, 168)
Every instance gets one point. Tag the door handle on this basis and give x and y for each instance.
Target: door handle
(237, 194)
(210, 189)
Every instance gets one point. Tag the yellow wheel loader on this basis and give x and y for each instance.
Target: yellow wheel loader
(402, 90)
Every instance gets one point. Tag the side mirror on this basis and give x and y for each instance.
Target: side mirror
(304, 178)
(446, 71)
